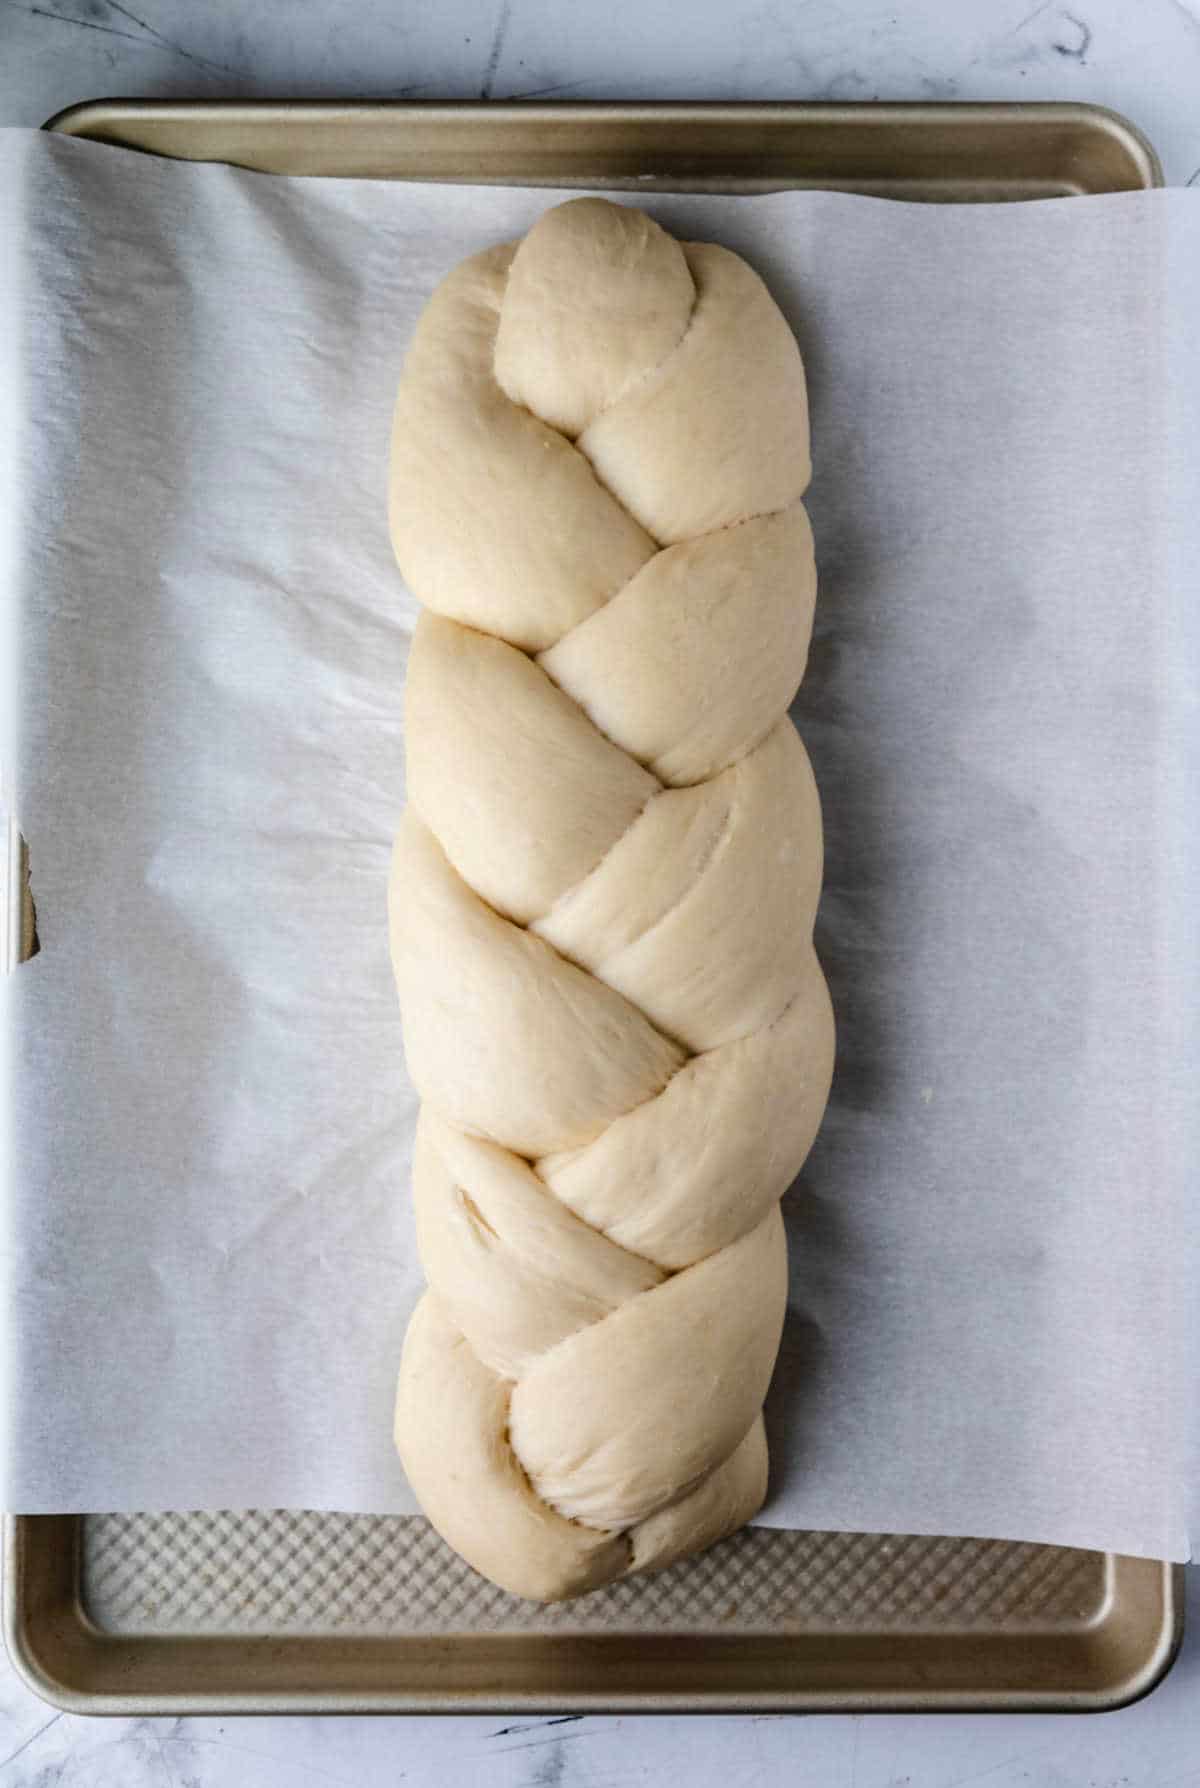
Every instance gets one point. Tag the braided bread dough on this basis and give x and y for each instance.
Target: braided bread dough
(603, 892)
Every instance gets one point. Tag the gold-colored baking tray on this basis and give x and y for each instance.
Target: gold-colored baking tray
(274, 1611)
(946, 152)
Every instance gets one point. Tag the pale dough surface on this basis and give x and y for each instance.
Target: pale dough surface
(603, 892)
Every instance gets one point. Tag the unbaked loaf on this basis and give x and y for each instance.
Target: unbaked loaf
(602, 892)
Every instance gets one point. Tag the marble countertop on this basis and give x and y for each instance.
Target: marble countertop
(1141, 57)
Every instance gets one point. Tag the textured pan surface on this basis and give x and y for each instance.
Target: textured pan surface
(289, 1572)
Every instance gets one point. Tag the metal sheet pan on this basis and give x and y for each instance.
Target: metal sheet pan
(275, 1611)
(934, 152)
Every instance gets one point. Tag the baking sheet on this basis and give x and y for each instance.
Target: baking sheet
(262, 1612)
(209, 1244)
(935, 152)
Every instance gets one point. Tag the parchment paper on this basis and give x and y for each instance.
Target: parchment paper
(208, 1246)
